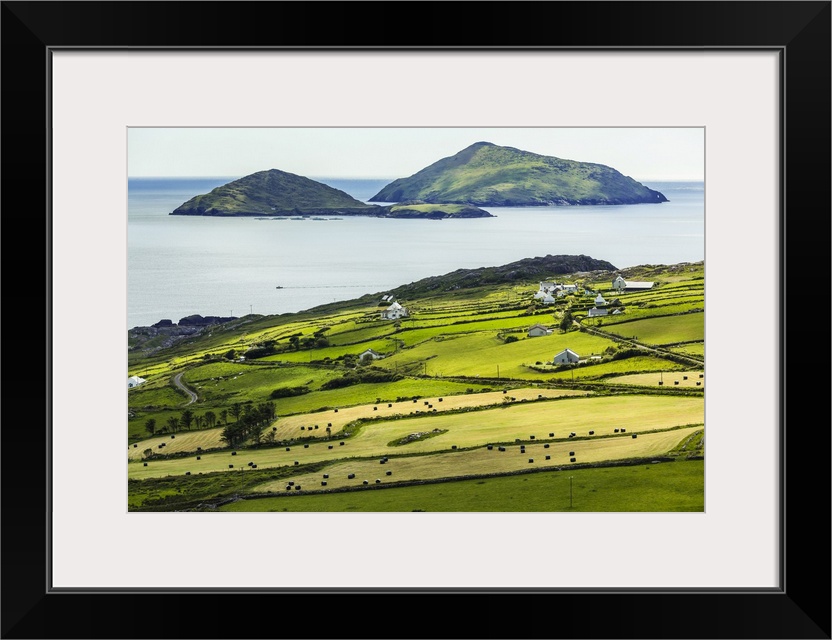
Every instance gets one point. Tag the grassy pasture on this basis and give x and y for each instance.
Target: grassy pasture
(481, 461)
(637, 363)
(665, 330)
(289, 427)
(668, 379)
(693, 349)
(471, 429)
(479, 354)
(676, 486)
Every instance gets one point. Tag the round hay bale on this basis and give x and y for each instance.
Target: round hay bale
(366, 482)
(336, 410)
(572, 459)
(660, 383)
(623, 431)
(254, 466)
(378, 480)
(592, 433)
(233, 453)
(490, 447)
(684, 377)
(302, 428)
(531, 460)
(701, 375)
(187, 473)
(453, 446)
(250, 463)
(551, 435)
(341, 443)
(548, 457)
(135, 445)
(231, 466)
(323, 483)
(329, 424)
(288, 488)
(615, 430)
(389, 473)
(326, 475)
(440, 399)
(145, 464)
(351, 476)
(675, 382)
(571, 453)
(296, 463)
(288, 448)
(389, 404)
(297, 487)
(505, 390)
(329, 447)
(306, 446)
(635, 435)
(199, 457)
(172, 436)
(274, 428)
(698, 383)
(375, 408)
(546, 446)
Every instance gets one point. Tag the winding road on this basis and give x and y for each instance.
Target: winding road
(192, 397)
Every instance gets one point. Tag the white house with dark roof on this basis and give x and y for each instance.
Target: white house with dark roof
(599, 300)
(567, 356)
(394, 312)
(370, 353)
(538, 330)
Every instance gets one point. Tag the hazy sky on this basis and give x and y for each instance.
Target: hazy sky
(644, 154)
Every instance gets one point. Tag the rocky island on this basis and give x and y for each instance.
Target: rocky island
(488, 175)
(278, 193)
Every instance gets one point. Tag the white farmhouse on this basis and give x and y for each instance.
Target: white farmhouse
(599, 300)
(570, 288)
(567, 356)
(539, 330)
(370, 353)
(394, 312)
(620, 284)
(595, 311)
(548, 299)
(134, 381)
(546, 287)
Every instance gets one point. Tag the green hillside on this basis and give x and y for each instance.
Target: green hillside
(271, 192)
(485, 174)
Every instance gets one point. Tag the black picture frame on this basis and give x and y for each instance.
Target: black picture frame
(799, 31)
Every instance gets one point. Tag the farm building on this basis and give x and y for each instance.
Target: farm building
(546, 287)
(134, 381)
(599, 300)
(394, 312)
(567, 356)
(620, 284)
(570, 288)
(548, 299)
(539, 330)
(595, 311)
(539, 295)
(615, 312)
(370, 353)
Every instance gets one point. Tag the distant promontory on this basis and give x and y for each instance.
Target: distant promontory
(279, 194)
(488, 175)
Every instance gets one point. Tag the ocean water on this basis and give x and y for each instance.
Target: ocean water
(184, 265)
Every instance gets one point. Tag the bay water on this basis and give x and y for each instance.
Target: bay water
(185, 265)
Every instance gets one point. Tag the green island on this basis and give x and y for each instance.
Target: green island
(488, 175)
(557, 383)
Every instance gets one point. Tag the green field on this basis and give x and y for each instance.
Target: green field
(676, 486)
(457, 375)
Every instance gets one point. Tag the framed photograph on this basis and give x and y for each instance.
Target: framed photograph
(688, 146)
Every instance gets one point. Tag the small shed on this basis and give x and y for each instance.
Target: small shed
(538, 330)
(135, 381)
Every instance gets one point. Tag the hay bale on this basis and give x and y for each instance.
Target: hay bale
(501, 449)
(145, 464)
(548, 457)
(539, 395)
(231, 466)
(635, 435)
(572, 459)
(250, 463)
(254, 466)
(378, 480)
(296, 463)
(389, 404)
(381, 461)
(623, 430)
(172, 436)
(336, 410)
(233, 453)
(297, 487)
(531, 437)
(505, 390)
(701, 375)
(546, 446)
(531, 460)
(291, 483)
(323, 483)
(329, 447)
(615, 430)
(326, 475)
(306, 446)
(351, 476)
(288, 448)
(684, 377)
(414, 402)
(571, 453)
(453, 446)
(366, 482)
(389, 473)
(329, 424)
(135, 445)
(199, 457)
(375, 408)
(490, 447)
(660, 383)
(675, 382)
(288, 488)
(698, 383)
(274, 428)
(302, 428)
(341, 443)
(551, 435)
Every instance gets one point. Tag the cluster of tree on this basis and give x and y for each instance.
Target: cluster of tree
(185, 420)
(368, 374)
(288, 392)
(249, 422)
